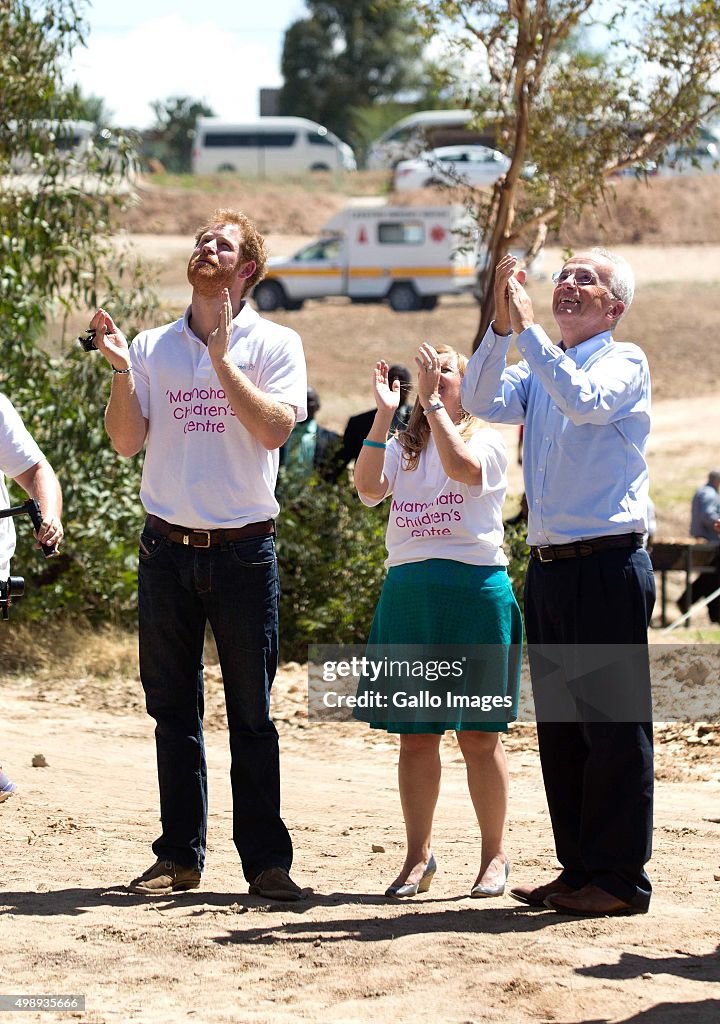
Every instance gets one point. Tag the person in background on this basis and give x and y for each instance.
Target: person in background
(705, 525)
(359, 426)
(446, 584)
(311, 447)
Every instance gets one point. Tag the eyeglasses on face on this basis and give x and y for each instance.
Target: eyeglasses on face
(582, 277)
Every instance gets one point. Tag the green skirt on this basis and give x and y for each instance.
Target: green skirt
(439, 602)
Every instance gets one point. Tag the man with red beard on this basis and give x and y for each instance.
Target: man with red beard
(590, 590)
(212, 396)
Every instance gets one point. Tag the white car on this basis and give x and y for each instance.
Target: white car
(701, 156)
(451, 165)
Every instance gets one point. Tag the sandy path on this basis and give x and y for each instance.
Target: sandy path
(81, 827)
(652, 264)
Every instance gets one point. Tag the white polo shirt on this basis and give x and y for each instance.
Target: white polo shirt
(203, 469)
(432, 516)
(18, 453)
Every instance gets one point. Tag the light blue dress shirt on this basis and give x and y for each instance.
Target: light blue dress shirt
(587, 420)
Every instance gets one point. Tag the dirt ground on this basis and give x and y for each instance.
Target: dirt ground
(81, 827)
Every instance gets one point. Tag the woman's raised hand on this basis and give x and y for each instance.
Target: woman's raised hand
(387, 399)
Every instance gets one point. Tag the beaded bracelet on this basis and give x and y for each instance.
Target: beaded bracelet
(122, 371)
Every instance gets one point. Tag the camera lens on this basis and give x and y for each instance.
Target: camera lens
(16, 586)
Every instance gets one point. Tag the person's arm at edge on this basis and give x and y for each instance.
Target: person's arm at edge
(39, 482)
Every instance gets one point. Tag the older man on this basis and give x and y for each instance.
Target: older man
(213, 396)
(585, 406)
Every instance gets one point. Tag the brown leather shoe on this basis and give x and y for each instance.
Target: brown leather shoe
(276, 884)
(165, 877)
(591, 901)
(535, 896)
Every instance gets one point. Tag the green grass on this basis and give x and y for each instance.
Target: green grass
(348, 183)
(702, 635)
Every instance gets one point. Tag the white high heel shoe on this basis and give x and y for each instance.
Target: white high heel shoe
(413, 888)
(481, 891)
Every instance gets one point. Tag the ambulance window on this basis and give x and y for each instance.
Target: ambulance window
(329, 249)
(407, 232)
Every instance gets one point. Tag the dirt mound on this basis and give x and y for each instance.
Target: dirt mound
(662, 210)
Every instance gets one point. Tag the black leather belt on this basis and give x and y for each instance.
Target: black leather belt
(582, 548)
(207, 538)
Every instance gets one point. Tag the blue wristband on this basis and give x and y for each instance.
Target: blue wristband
(374, 444)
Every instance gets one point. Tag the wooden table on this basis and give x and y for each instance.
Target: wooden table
(688, 556)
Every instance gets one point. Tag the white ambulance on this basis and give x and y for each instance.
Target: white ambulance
(407, 255)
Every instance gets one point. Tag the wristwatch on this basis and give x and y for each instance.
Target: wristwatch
(434, 407)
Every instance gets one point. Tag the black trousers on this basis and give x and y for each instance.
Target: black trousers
(598, 774)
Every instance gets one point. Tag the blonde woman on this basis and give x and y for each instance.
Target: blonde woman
(447, 583)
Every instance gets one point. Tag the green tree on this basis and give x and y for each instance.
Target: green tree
(436, 90)
(349, 54)
(90, 108)
(578, 117)
(58, 258)
(175, 123)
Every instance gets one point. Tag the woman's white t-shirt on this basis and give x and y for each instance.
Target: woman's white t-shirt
(432, 516)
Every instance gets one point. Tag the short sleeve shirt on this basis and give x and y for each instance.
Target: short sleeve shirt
(203, 469)
(432, 516)
(18, 453)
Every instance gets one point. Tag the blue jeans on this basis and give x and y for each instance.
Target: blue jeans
(235, 588)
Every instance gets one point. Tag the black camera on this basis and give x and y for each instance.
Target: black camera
(10, 589)
(31, 508)
(86, 340)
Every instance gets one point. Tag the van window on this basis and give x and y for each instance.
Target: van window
(277, 139)
(248, 140)
(318, 140)
(231, 140)
(407, 232)
(401, 135)
(64, 143)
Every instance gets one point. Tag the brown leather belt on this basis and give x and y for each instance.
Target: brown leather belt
(582, 548)
(207, 538)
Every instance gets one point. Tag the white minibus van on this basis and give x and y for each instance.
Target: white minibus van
(70, 138)
(268, 146)
(423, 130)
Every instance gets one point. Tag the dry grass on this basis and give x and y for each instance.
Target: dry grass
(660, 211)
(71, 650)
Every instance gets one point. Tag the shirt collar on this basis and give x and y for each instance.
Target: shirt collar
(582, 352)
(245, 318)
